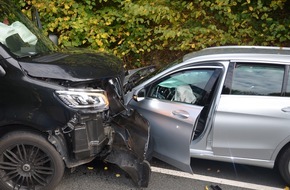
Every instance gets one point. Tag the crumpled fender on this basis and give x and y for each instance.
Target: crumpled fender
(130, 147)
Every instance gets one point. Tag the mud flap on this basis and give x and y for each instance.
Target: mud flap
(130, 147)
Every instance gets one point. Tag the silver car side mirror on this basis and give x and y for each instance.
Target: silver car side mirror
(139, 96)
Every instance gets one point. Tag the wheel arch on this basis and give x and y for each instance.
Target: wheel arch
(19, 127)
(284, 145)
(56, 138)
(58, 145)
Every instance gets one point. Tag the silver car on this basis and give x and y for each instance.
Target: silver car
(227, 103)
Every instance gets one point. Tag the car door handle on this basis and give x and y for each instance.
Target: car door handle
(286, 109)
(181, 114)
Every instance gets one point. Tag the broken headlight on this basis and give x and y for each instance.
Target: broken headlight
(84, 98)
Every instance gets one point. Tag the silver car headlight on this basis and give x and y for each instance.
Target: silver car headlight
(84, 98)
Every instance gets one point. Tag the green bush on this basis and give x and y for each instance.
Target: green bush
(143, 32)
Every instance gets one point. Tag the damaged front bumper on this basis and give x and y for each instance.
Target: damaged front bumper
(122, 141)
(100, 126)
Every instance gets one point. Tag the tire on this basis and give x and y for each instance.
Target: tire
(284, 165)
(29, 161)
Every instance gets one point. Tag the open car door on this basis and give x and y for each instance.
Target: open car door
(172, 138)
(172, 105)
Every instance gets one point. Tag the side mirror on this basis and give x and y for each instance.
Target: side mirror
(2, 71)
(53, 38)
(140, 95)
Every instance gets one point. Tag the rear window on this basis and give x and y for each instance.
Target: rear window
(257, 79)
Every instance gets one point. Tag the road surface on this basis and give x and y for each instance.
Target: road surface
(207, 174)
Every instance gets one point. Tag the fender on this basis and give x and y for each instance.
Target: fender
(130, 146)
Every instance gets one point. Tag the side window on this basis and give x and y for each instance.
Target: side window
(257, 79)
(184, 86)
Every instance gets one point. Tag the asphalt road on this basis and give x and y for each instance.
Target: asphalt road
(98, 175)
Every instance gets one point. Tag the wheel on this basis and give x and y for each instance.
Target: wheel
(284, 165)
(29, 161)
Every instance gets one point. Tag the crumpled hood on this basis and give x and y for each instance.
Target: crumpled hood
(73, 67)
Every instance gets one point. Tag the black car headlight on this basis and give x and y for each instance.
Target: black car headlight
(84, 98)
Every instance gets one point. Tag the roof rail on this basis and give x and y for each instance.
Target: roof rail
(249, 47)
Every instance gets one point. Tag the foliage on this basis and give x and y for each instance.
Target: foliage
(153, 31)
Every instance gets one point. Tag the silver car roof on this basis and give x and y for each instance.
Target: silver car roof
(265, 53)
(259, 54)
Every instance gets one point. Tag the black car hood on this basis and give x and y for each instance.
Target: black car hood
(73, 66)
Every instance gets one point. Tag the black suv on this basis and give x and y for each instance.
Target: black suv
(61, 109)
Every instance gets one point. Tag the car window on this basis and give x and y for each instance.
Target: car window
(257, 79)
(184, 86)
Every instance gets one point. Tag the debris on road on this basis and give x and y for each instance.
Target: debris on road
(213, 187)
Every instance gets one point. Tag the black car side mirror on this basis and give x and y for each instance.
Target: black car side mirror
(2, 71)
(140, 95)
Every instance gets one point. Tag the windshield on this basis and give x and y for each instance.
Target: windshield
(20, 35)
(156, 71)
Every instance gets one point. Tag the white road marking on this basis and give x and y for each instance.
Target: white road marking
(213, 179)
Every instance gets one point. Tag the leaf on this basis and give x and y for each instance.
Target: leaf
(139, 29)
